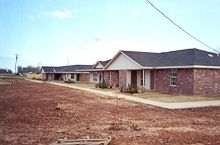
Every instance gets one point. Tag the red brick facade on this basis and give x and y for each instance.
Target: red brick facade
(107, 77)
(184, 81)
(189, 81)
(152, 80)
(115, 78)
(207, 82)
(84, 77)
(122, 78)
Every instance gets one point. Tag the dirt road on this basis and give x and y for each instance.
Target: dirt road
(32, 113)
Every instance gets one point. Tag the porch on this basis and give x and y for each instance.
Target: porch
(135, 78)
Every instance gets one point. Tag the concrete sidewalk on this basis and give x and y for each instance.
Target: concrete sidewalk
(175, 105)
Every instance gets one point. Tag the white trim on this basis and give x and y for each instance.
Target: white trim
(189, 66)
(143, 81)
(66, 72)
(148, 67)
(42, 70)
(173, 77)
(110, 77)
(120, 52)
(111, 60)
(98, 62)
(132, 60)
(92, 70)
(122, 69)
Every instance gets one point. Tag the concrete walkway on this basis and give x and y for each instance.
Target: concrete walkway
(175, 105)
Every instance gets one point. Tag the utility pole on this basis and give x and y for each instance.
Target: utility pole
(16, 59)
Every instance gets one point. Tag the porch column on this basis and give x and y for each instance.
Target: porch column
(143, 78)
(110, 82)
(103, 79)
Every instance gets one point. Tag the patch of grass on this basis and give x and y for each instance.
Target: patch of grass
(174, 98)
(84, 85)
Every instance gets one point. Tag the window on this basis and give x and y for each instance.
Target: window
(95, 77)
(173, 77)
(72, 76)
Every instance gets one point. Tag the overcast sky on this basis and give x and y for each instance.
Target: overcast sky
(58, 32)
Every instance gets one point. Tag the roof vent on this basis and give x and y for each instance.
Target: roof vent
(210, 55)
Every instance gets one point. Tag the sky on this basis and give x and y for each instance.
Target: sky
(62, 32)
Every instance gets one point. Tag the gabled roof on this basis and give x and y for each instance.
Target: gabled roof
(68, 68)
(144, 59)
(104, 63)
(47, 68)
(29, 69)
(186, 57)
(5, 71)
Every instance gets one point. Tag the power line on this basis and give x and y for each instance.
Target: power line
(181, 27)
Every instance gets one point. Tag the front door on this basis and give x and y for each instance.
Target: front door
(77, 77)
(133, 78)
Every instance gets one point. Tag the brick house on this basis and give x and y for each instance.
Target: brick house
(189, 71)
(74, 72)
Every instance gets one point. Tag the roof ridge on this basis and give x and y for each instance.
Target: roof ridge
(138, 51)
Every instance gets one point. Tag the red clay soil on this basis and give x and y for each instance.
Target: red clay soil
(32, 113)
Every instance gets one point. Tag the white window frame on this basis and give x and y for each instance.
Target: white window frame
(142, 78)
(95, 79)
(173, 76)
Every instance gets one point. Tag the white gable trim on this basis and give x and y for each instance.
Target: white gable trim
(42, 70)
(117, 55)
(132, 60)
(123, 62)
(97, 63)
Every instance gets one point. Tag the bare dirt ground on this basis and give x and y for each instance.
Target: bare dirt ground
(33, 113)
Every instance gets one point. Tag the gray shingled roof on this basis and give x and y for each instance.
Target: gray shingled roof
(104, 63)
(5, 71)
(68, 68)
(187, 57)
(48, 68)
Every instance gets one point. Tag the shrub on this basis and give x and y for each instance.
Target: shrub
(69, 81)
(103, 86)
(142, 89)
(130, 89)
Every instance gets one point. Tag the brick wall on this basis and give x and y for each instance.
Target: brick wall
(184, 81)
(152, 76)
(204, 82)
(115, 78)
(84, 77)
(122, 78)
(107, 77)
(207, 82)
